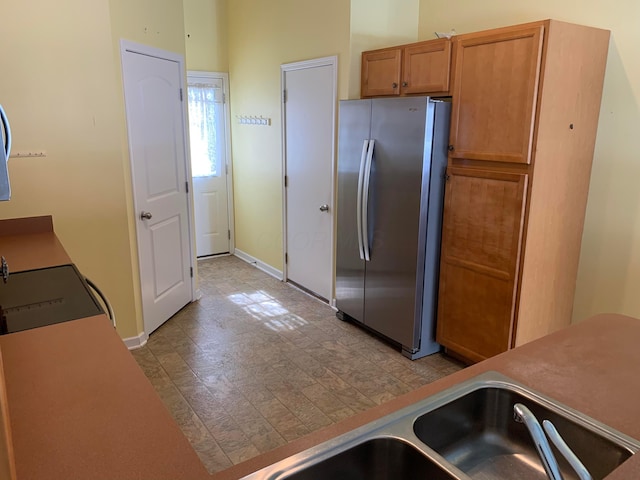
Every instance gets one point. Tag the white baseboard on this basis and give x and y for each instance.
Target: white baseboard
(274, 272)
(136, 342)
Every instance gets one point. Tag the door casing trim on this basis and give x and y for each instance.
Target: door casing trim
(227, 139)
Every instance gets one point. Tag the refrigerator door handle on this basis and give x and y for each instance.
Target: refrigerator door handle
(365, 202)
(363, 159)
(7, 133)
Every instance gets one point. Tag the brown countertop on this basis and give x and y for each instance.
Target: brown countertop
(29, 243)
(591, 367)
(80, 407)
(78, 404)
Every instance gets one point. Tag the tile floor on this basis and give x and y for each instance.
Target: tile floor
(256, 363)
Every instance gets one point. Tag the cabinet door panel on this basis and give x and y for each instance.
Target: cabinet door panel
(381, 72)
(425, 67)
(482, 236)
(495, 93)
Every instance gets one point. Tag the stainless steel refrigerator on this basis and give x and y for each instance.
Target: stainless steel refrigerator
(392, 157)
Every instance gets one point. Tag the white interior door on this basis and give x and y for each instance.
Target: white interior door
(157, 133)
(209, 167)
(309, 111)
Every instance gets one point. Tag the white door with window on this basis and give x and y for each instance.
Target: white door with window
(309, 122)
(156, 124)
(208, 127)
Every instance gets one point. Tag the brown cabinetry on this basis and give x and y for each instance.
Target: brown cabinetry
(417, 68)
(525, 110)
(496, 88)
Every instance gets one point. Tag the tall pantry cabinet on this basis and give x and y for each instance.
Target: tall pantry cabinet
(526, 101)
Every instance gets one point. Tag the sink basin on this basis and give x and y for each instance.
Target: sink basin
(466, 432)
(477, 434)
(378, 459)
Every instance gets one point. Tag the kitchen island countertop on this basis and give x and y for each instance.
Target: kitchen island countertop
(591, 367)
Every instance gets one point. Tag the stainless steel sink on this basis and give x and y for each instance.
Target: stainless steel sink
(385, 458)
(477, 434)
(465, 432)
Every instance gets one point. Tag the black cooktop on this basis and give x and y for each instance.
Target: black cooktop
(35, 298)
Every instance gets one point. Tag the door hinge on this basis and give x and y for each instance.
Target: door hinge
(226, 169)
(229, 234)
(286, 181)
(284, 96)
(186, 184)
(191, 271)
(224, 98)
(181, 95)
(286, 258)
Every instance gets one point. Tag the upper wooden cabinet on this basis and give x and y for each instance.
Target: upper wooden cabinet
(418, 68)
(381, 72)
(525, 108)
(495, 92)
(426, 67)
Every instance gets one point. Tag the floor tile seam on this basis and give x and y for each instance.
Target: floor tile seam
(215, 469)
(297, 416)
(343, 391)
(335, 399)
(240, 449)
(239, 418)
(278, 428)
(302, 408)
(359, 391)
(189, 369)
(211, 434)
(224, 445)
(250, 436)
(229, 413)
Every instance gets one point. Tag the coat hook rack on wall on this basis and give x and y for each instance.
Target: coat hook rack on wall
(253, 120)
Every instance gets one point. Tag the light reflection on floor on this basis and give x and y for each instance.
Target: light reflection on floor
(265, 308)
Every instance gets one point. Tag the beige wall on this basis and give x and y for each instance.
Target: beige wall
(61, 86)
(158, 24)
(609, 272)
(379, 24)
(58, 87)
(205, 23)
(262, 36)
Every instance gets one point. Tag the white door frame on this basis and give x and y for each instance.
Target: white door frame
(227, 141)
(331, 61)
(133, 47)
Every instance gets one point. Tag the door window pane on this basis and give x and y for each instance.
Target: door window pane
(204, 112)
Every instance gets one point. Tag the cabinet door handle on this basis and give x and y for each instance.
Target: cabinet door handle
(405, 84)
(451, 148)
(394, 85)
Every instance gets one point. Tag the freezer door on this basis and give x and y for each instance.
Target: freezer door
(354, 134)
(393, 274)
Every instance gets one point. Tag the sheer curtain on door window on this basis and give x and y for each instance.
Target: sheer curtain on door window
(204, 114)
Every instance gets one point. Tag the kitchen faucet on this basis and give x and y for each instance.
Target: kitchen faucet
(522, 414)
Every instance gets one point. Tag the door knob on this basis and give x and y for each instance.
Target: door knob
(324, 208)
(145, 216)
